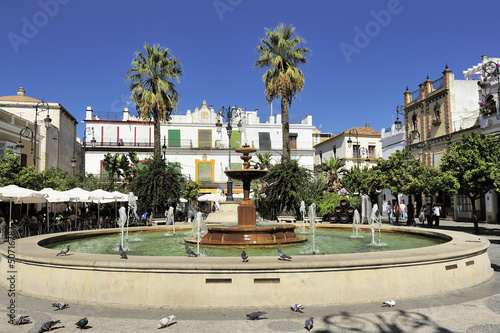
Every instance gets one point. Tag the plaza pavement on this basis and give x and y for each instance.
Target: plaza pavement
(474, 310)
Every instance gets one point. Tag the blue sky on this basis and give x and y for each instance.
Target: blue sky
(364, 53)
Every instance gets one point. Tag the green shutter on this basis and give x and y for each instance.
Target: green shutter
(264, 140)
(236, 139)
(177, 169)
(204, 138)
(174, 138)
(205, 172)
(236, 166)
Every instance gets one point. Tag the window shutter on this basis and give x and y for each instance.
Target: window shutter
(264, 140)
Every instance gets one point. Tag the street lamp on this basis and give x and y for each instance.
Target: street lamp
(164, 147)
(399, 111)
(31, 134)
(354, 132)
(87, 131)
(73, 162)
(227, 113)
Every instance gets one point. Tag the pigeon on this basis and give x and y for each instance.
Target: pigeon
(19, 320)
(283, 255)
(122, 253)
(296, 307)
(60, 305)
(165, 321)
(390, 303)
(190, 252)
(63, 252)
(82, 323)
(255, 315)
(47, 326)
(309, 323)
(244, 256)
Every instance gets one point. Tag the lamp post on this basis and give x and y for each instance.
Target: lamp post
(164, 147)
(87, 131)
(40, 107)
(32, 134)
(227, 113)
(354, 132)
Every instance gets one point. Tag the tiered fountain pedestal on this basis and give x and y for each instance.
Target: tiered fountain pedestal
(247, 232)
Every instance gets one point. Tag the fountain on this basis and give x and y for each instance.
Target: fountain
(247, 232)
(302, 211)
(460, 261)
(356, 221)
(375, 220)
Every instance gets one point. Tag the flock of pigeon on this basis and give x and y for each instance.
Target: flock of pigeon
(164, 322)
(296, 307)
(81, 324)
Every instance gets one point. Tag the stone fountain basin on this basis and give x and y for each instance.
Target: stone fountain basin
(246, 175)
(221, 282)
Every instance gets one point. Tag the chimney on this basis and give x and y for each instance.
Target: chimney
(21, 92)
(484, 58)
(88, 113)
(367, 125)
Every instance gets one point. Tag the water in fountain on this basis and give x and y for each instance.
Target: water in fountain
(122, 220)
(356, 221)
(199, 230)
(303, 213)
(132, 207)
(311, 247)
(170, 219)
(376, 221)
(366, 209)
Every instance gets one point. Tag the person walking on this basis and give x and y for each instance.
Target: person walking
(428, 214)
(396, 212)
(435, 214)
(389, 211)
(402, 209)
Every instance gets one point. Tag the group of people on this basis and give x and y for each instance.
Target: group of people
(428, 212)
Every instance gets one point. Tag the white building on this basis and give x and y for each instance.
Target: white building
(192, 141)
(57, 143)
(356, 147)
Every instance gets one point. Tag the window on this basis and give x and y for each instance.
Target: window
(204, 138)
(205, 172)
(355, 150)
(371, 151)
(235, 139)
(293, 140)
(414, 121)
(236, 166)
(174, 138)
(264, 140)
(437, 159)
(437, 112)
(177, 169)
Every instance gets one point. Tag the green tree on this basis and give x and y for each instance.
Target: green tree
(265, 159)
(284, 186)
(152, 85)
(473, 162)
(331, 167)
(281, 53)
(10, 167)
(367, 181)
(400, 171)
(157, 185)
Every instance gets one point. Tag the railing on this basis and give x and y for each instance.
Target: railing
(415, 95)
(439, 83)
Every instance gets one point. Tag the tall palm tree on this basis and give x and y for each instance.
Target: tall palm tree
(281, 52)
(331, 168)
(152, 85)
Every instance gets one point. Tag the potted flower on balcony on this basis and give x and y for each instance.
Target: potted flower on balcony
(488, 106)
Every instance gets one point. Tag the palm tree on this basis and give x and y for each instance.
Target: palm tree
(280, 53)
(331, 168)
(152, 86)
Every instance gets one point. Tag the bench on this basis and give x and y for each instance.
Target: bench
(286, 219)
(317, 220)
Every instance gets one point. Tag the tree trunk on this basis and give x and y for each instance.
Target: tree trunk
(285, 129)
(157, 135)
(474, 215)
